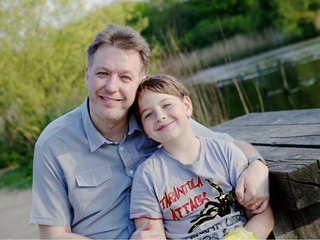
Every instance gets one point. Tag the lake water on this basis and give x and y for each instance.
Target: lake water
(297, 86)
(283, 79)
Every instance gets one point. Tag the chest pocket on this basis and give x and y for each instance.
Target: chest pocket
(92, 188)
(94, 177)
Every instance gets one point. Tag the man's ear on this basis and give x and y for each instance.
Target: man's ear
(142, 76)
(86, 75)
(188, 105)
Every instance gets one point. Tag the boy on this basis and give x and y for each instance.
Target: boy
(185, 189)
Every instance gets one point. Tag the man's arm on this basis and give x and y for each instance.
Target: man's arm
(147, 228)
(55, 232)
(253, 185)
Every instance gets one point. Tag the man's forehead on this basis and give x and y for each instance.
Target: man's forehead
(112, 61)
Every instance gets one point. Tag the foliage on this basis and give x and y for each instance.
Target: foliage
(196, 24)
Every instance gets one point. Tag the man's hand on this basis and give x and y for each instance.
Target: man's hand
(253, 187)
(148, 229)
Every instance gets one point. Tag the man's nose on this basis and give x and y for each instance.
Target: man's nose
(111, 84)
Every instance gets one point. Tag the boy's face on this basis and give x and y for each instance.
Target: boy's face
(164, 117)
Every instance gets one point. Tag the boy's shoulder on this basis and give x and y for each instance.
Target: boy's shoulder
(153, 161)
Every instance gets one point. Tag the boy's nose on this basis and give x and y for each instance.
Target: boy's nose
(161, 116)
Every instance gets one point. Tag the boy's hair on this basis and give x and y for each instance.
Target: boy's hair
(122, 37)
(163, 84)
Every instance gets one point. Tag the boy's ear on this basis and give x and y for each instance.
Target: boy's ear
(188, 105)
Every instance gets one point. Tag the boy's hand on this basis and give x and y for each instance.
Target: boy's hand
(148, 230)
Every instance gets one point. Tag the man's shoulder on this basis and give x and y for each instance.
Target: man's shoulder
(61, 126)
(217, 143)
(202, 131)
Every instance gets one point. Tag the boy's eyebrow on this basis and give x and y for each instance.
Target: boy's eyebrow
(144, 110)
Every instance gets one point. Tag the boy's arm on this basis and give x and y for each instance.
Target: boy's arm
(57, 232)
(147, 228)
(253, 184)
(261, 224)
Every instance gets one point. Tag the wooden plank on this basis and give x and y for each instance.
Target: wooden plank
(284, 159)
(305, 135)
(306, 116)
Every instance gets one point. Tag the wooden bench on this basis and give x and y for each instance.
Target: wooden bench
(290, 143)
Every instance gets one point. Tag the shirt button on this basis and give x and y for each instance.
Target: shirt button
(131, 172)
(121, 148)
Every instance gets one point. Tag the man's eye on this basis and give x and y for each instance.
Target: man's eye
(102, 73)
(125, 78)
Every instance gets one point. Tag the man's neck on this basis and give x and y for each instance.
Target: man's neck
(112, 130)
(115, 132)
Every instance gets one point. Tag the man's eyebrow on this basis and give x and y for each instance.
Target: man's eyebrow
(121, 71)
(125, 71)
(102, 68)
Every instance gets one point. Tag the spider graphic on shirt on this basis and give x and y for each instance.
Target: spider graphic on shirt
(221, 207)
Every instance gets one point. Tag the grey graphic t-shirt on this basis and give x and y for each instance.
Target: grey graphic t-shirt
(195, 201)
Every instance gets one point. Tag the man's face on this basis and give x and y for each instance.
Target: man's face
(111, 82)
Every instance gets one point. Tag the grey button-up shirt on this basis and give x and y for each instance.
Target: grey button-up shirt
(82, 180)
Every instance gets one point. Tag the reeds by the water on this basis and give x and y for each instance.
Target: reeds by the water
(210, 106)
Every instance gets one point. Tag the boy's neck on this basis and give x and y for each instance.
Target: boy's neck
(186, 149)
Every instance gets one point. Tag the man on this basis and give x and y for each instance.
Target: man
(85, 160)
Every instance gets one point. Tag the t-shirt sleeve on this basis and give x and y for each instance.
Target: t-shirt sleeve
(144, 202)
(202, 131)
(50, 205)
(237, 162)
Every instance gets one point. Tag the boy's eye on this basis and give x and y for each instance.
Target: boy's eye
(166, 105)
(147, 115)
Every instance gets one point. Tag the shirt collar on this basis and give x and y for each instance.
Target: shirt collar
(95, 138)
(134, 125)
